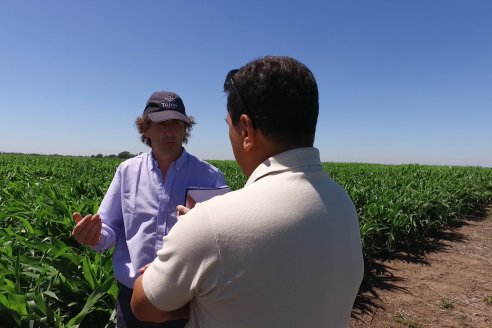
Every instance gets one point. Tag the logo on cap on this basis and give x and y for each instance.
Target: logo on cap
(169, 105)
(169, 102)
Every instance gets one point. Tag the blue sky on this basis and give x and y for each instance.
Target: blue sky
(399, 81)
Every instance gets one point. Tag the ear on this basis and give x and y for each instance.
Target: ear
(248, 132)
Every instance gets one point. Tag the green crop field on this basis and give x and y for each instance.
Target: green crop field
(48, 280)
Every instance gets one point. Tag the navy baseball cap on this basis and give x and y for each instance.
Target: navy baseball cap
(165, 105)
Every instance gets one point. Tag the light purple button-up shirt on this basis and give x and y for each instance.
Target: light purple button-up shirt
(139, 208)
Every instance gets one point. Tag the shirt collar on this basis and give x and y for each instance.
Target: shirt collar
(286, 161)
(182, 159)
(178, 164)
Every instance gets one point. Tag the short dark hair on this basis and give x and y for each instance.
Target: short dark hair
(280, 95)
(143, 122)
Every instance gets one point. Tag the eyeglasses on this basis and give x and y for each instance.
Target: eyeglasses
(230, 80)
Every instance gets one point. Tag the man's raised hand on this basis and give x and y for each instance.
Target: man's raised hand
(87, 229)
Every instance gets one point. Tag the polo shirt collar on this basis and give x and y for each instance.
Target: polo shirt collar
(286, 161)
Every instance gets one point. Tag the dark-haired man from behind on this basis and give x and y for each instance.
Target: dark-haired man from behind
(285, 250)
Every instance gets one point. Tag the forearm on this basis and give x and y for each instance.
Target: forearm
(144, 310)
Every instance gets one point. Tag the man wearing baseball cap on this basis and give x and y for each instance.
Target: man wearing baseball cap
(139, 207)
(164, 105)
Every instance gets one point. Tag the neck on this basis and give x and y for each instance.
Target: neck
(165, 159)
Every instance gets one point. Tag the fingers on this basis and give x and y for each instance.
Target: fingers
(181, 210)
(80, 225)
(88, 229)
(93, 231)
(77, 217)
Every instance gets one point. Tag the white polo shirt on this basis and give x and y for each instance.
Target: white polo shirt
(284, 251)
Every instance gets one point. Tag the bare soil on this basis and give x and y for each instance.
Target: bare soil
(445, 283)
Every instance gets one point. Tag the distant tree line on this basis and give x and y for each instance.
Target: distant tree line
(123, 155)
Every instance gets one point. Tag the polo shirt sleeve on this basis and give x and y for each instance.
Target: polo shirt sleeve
(188, 264)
